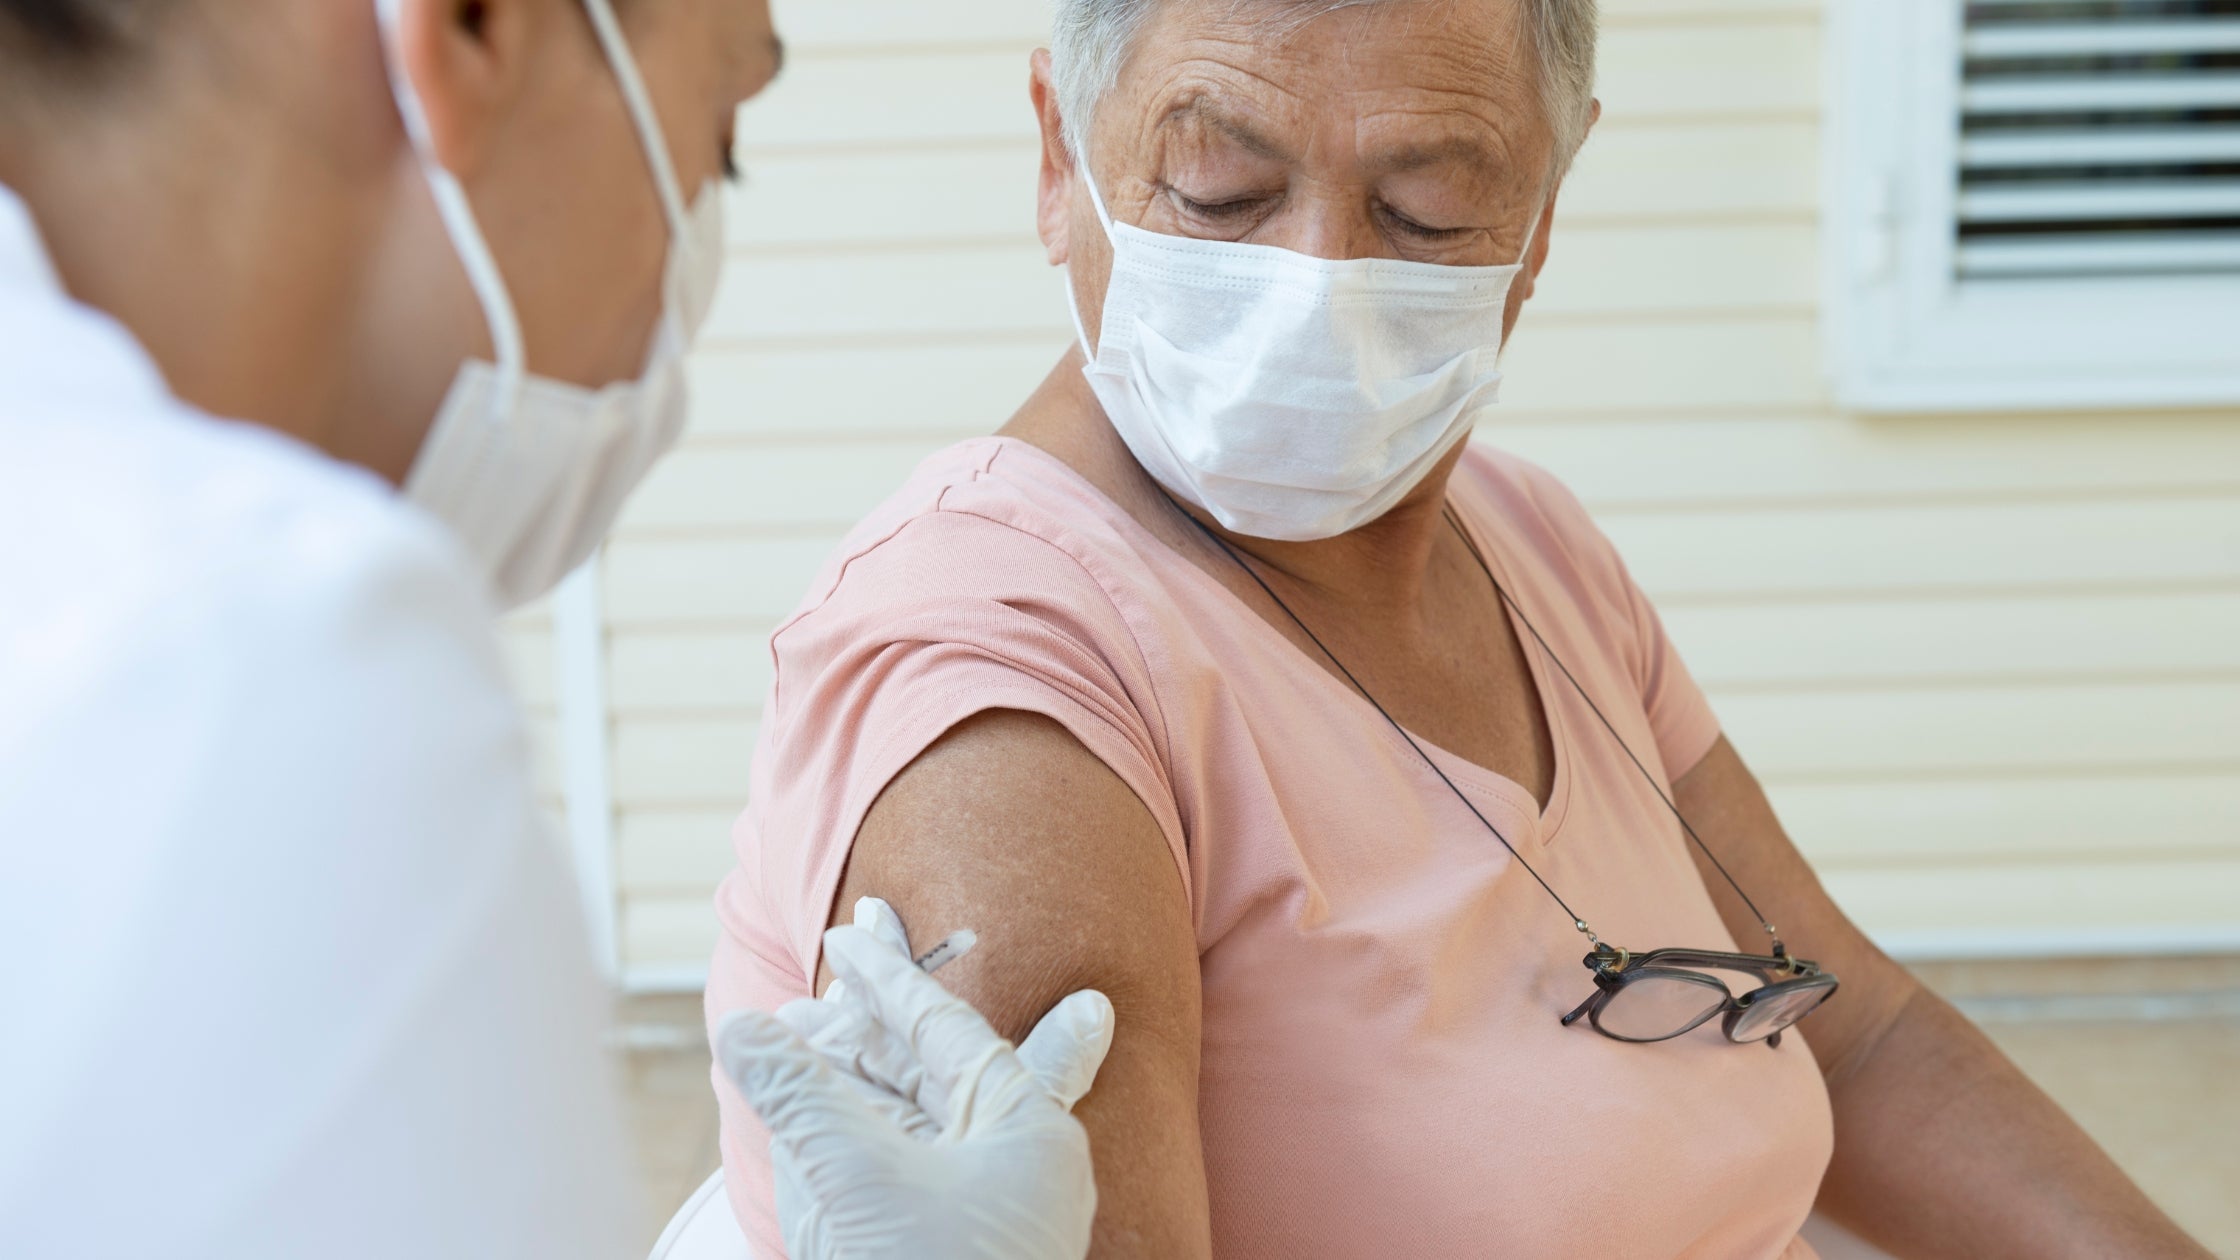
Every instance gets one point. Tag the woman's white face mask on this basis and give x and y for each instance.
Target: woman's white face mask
(1291, 397)
(530, 472)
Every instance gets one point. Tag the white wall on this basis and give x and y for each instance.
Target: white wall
(1988, 666)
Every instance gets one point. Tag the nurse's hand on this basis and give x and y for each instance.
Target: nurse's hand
(903, 1125)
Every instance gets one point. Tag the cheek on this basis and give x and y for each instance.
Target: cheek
(597, 288)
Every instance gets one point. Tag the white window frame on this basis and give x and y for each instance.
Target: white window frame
(1902, 333)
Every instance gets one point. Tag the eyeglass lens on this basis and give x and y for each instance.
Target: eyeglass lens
(1770, 1013)
(1651, 1007)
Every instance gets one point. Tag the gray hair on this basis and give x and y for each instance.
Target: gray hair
(1091, 40)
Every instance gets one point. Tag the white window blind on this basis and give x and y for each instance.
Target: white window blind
(2035, 203)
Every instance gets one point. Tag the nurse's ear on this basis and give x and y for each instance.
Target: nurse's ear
(470, 61)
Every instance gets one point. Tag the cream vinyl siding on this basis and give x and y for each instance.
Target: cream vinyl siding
(1988, 666)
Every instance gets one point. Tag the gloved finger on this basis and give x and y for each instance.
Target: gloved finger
(859, 1046)
(878, 918)
(785, 1080)
(869, 1060)
(1067, 1047)
(958, 1050)
(821, 1020)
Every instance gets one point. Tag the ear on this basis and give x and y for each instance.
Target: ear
(1054, 190)
(469, 61)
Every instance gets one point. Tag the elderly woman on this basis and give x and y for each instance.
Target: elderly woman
(1230, 680)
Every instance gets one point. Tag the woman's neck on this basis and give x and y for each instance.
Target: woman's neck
(1378, 570)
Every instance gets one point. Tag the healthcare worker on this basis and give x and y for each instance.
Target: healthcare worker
(325, 331)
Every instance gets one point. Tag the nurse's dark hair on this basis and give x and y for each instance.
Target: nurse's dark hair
(71, 34)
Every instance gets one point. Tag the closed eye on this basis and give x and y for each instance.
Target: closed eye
(1404, 226)
(1229, 211)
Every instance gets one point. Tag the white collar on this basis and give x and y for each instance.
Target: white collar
(54, 347)
(23, 256)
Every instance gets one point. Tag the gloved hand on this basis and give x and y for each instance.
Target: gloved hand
(902, 1125)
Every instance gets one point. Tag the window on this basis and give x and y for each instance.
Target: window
(2033, 203)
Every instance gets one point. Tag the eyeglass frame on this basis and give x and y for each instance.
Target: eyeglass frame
(1615, 968)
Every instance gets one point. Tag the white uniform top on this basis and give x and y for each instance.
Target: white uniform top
(289, 966)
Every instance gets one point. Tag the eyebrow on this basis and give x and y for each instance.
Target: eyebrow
(1480, 158)
(1204, 112)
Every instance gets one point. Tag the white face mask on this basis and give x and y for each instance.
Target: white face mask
(1291, 397)
(530, 472)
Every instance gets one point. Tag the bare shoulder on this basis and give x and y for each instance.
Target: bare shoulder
(1009, 826)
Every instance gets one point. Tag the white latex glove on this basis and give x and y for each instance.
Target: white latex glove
(909, 1128)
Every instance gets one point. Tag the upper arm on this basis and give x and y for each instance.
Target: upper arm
(1723, 802)
(1009, 826)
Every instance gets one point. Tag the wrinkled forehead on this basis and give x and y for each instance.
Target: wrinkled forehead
(1374, 84)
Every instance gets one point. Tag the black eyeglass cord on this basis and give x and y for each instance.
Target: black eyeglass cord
(1596, 709)
(1576, 921)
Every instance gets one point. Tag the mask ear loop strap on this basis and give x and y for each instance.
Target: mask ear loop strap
(642, 116)
(466, 233)
(1532, 233)
(1073, 304)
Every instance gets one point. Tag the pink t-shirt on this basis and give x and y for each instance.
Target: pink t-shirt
(1384, 1073)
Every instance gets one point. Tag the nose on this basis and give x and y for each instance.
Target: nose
(1325, 222)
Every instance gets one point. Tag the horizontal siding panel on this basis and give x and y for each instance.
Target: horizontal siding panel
(667, 932)
(1956, 548)
(1752, 169)
(675, 851)
(892, 101)
(794, 487)
(669, 580)
(823, 199)
(2113, 899)
(674, 671)
(818, 27)
(1595, 269)
(1653, 72)
(1655, 364)
(1925, 825)
(1706, 459)
(941, 390)
(978, 288)
(1801, 646)
(1623, 12)
(672, 761)
(1896, 732)
(952, 292)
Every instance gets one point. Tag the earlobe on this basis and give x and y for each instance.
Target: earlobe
(467, 60)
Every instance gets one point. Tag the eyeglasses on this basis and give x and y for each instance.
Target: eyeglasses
(1655, 997)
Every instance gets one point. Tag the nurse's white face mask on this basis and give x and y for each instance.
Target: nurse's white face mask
(529, 471)
(1291, 397)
